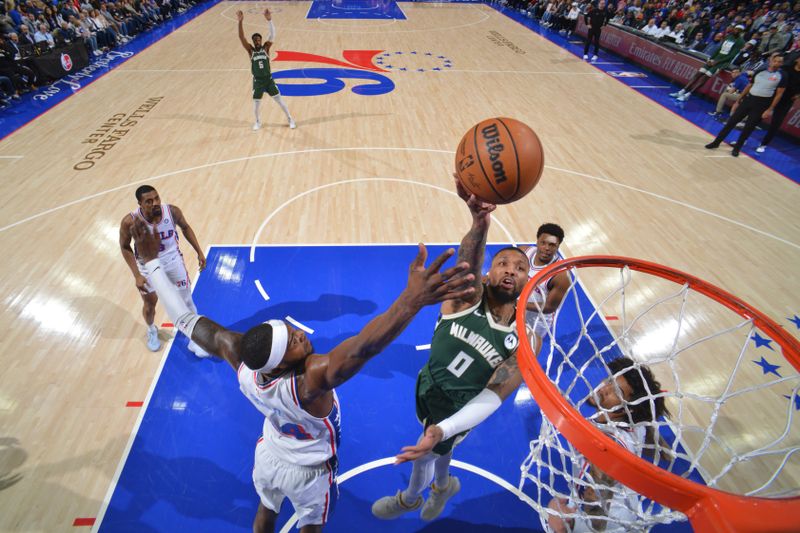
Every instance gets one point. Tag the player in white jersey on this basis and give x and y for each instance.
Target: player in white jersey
(546, 297)
(165, 219)
(294, 387)
(621, 414)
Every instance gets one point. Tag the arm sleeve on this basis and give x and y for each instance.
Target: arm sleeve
(473, 413)
(184, 319)
(271, 35)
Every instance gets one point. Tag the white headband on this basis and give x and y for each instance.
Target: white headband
(280, 339)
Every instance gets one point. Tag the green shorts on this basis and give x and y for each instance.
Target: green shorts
(433, 406)
(262, 85)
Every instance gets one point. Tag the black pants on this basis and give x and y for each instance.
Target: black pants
(778, 114)
(751, 107)
(594, 35)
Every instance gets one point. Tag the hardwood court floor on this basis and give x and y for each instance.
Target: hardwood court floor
(624, 177)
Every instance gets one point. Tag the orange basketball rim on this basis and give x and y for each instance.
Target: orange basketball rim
(708, 509)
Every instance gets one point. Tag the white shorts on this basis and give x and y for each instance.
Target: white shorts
(176, 273)
(311, 489)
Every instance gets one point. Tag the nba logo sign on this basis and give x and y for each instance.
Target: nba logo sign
(66, 62)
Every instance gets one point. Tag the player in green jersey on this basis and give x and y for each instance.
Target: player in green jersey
(473, 337)
(259, 66)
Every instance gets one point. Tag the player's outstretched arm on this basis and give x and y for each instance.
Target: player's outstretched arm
(127, 252)
(245, 44)
(425, 286)
(472, 247)
(212, 337)
(505, 380)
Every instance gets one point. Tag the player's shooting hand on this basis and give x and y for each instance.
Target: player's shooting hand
(240, 16)
(433, 436)
(479, 209)
(267, 14)
(428, 286)
(147, 244)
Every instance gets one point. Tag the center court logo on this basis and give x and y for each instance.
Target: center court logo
(356, 65)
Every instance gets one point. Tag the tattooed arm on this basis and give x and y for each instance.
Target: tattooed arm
(597, 497)
(472, 248)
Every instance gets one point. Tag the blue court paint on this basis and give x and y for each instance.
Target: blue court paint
(356, 9)
(782, 155)
(36, 103)
(190, 465)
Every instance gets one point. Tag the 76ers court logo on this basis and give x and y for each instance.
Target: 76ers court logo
(66, 62)
(357, 65)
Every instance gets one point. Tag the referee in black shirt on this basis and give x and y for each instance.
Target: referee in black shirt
(757, 102)
(595, 18)
(790, 96)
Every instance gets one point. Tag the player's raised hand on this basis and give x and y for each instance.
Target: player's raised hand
(478, 208)
(267, 14)
(433, 436)
(428, 286)
(147, 244)
(240, 16)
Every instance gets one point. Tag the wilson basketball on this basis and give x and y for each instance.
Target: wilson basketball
(499, 160)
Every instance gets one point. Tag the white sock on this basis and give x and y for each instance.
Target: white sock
(441, 468)
(152, 327)
(421, 477)
(278, 99)
(256, 106)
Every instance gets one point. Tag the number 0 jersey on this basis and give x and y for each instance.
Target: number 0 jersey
(466, 348)
(291, 433)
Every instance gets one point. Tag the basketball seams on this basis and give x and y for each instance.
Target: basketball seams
(516, 158)
(478, 157)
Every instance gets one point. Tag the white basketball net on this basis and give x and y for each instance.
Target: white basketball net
(733, 416)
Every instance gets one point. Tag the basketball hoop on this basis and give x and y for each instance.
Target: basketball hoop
(558, 383)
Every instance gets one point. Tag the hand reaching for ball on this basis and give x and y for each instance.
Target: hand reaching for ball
(480, 210)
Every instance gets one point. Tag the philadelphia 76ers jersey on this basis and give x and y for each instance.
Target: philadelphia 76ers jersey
(169, 251)
(291, 433)
(539, 322)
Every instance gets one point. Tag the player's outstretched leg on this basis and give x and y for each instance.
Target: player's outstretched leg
(149, 313)
(443, 488)
(256, 107)
(265, 520)
(390, 507)
(278, 99)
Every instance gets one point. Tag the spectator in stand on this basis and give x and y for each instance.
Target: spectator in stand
(84, 31)
(44, 36)
(118, 27)
(25, 35)
(790, 96)
(758, 101)
(662, 30)
(676, 34)
(572, 19)
(698, 44)
(720, 60)
(747, 57)
(732, 92)
(65, 34)
(651, 29)
(595, 18)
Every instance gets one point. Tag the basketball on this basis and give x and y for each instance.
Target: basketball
(499, 160)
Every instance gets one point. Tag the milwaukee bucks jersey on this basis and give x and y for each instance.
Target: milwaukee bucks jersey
(465, 350)
(260, 63)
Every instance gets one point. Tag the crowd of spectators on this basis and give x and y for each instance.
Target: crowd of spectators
(696, 25)
(34, 27)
